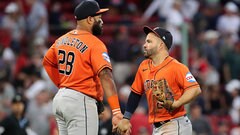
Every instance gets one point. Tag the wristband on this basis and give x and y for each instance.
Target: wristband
(116, 111)
(127, 115)
(114, 104)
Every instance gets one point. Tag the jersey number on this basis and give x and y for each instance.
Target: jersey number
(65, 62)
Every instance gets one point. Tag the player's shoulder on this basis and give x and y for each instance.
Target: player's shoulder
(97, 40)
(94, 42)
(175, 62)
(178, 65)
(91, 39)
(87, 38)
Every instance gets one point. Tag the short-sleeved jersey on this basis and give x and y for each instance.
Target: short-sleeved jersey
(78, 56)
(178, 77)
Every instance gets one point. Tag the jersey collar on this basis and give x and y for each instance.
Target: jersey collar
(77, 32)
(164, 63)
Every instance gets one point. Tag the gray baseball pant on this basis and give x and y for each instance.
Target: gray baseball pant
(177, 126)
(75, 113)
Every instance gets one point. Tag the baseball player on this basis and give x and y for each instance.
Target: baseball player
(79, 65)
(159, 70)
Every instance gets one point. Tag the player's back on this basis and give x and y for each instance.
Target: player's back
(78, 54)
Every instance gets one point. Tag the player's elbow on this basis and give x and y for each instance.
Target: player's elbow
(105, 74)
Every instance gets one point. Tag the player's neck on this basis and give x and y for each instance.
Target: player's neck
(159, 58)
(82, 28)
(81, 25)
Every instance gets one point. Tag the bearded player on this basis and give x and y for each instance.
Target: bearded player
(79, 65)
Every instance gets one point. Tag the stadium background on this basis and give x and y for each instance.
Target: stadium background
(206, 38)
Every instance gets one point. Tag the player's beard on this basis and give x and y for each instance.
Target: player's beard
(97, 28)
(146, 54)
(149, 53)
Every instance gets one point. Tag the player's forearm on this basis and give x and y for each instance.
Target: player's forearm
(110, 89)
(107, 82)
(132, 103)
(187, 97)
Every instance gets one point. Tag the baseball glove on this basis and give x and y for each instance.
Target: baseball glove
(163, 93)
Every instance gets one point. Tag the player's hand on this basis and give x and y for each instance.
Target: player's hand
(172, 107)
(124, 127)
(175, 104)
(115, 120)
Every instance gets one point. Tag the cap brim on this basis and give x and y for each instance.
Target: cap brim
(102, 11)
(147, 30)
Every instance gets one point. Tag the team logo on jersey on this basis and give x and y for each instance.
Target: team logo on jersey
(190, 77)
(106, 57)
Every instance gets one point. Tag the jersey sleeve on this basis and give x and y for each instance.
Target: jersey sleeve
(50, 65)
(100, 58)
(137, 86)
(185, 78)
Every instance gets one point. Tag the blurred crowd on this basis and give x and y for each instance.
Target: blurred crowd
(29, 27)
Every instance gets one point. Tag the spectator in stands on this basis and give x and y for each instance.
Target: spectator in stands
(55, 15)
(215, 101)
(15, 124)
(235, 130)
(14, 23)
(198, 64)
(40, 46)
(119, 47)
(123, 94)
(200, 123)
(36, 85)
(119, 52)
(232, 62)
(39, 112)
(223, 128)
(233, 88)
(7, 91)
(189, 8)
(162, 7)
(231, 18)
(174, 22)
(37, 20)
(210, 48)
(206, 18)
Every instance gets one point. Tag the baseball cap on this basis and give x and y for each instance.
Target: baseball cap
(232, 85)
(162, 33)
(231, 6)
(88, 8)
(11, 8)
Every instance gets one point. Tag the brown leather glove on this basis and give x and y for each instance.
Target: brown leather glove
(163, 93)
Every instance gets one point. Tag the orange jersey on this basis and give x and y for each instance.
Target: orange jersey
(75, 60)
(178, 77)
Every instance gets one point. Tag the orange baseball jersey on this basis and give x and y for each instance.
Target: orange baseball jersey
(75, 60)
(178, 77)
